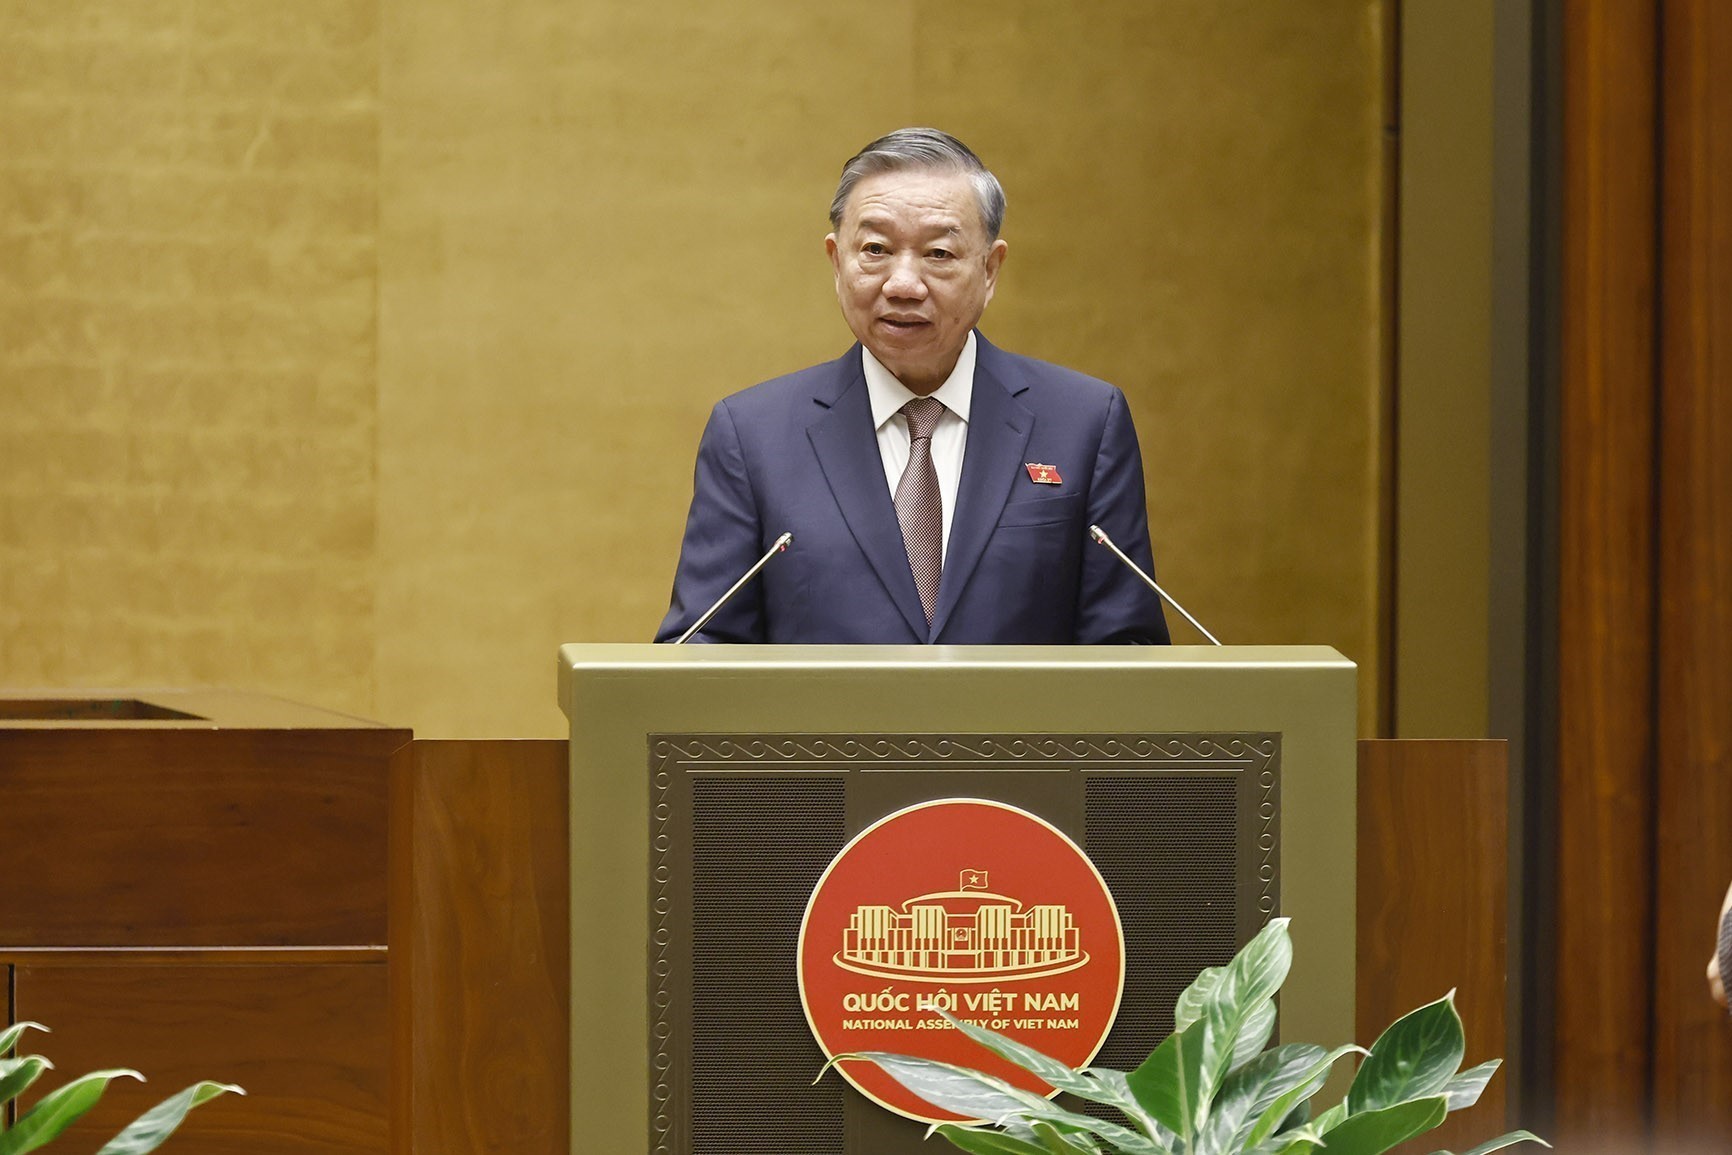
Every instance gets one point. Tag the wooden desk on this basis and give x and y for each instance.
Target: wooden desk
(199, 890)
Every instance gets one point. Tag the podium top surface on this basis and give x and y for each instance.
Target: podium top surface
(729, 681)
(133, 708)
(616, 655)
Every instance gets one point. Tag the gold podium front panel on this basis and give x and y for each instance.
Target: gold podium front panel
(639, 711)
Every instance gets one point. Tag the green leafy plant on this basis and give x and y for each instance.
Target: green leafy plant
(60, 1108)
(1212, 1088)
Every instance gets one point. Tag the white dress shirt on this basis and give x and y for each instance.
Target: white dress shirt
(948, 441)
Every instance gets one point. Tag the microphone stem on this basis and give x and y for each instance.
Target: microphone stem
(1100, 535)
(780, 544)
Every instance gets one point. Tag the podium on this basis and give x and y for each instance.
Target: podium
(712, 785)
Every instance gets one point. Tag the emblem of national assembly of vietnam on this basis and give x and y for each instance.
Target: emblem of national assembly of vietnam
(977, 907)
(966, 935)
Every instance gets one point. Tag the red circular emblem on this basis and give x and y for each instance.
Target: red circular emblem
(977, 907)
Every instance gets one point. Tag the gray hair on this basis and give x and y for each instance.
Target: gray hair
(922, 149)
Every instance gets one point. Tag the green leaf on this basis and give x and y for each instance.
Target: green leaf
(1261, 967)
(959, 1090)
(1255, 1034)
(1122, 1138)
(1117, 1086)
(1245, 987)
(1298, 1142)
(58, 1110)
(17, 1074)
(1298, 1116)
(1373, 1132)
(1255, 974)
(1508, 1140)
(1254, 1088)
(1465, 1089)
(1413, 1059)
(1044, 1112)
(1042, 1066)
(1169, 1083)
(10, 1036)
(1332, 1117)
(149, 1130)
(1277, 1111)
(977, 1095)
(980, 1142)
(1194, 1000)
(1065, 1143)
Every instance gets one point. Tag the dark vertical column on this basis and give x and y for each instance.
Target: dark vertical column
(1692, 1063)
(1389, 366)
(1535, 767)
(1606, 562)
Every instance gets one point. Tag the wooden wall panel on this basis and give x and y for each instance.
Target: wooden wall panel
(1606, 596)
(1692, 1063)
(308, 1042)
(483, 942)
(1433, 900)
(181, 837)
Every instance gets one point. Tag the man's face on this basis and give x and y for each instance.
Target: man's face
(914, 270)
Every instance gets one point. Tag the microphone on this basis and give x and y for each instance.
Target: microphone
(1100, 535)
(779, 545)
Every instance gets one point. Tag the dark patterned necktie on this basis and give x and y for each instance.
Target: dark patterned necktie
(917, 504)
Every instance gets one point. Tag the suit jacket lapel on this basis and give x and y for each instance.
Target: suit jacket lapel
(998, 432)
(848, 454)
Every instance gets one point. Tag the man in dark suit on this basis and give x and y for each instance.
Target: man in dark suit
(938, 489)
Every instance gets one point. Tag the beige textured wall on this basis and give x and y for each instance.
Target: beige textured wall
(187, 274)
(592, 220)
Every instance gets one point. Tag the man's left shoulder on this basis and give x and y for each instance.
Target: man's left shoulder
(1033, 380)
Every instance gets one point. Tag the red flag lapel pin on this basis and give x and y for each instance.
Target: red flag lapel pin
(1043, 474)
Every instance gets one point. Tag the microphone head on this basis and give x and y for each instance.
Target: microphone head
(1099, 534)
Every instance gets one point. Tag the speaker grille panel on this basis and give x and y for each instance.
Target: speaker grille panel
(759, 846)
(1168, 847)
